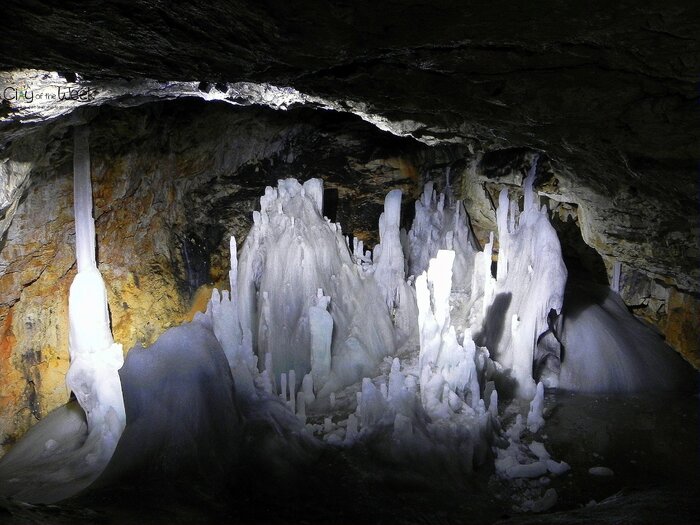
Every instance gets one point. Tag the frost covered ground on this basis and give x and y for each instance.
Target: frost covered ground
(330, 383)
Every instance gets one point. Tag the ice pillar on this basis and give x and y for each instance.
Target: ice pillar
(95, 357)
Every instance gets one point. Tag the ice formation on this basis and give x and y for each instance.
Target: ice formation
(290, 253)
(535, 419)
(448, 375)
(316, 339)
(389, 272)
(182, 414)
(95, 357)
(62, 456)
(441, 223)
(530, 282)
(606, 349)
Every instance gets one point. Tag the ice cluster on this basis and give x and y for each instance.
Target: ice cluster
(290, 254)
(318, 340)
(529, 287)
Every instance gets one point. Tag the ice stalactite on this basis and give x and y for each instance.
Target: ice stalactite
(530, 282)
(95, 358)
(291, 252)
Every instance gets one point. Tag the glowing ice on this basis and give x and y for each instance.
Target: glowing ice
(531, 277)
(444, 363)
(291, 252)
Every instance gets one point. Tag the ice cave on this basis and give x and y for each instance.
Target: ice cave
(352, 263)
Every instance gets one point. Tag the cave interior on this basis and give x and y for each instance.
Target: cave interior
(357, 263)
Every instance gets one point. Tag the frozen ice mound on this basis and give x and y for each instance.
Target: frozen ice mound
(181, 412)
(607, 350)
(52, 460)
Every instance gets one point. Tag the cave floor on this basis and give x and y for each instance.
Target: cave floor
(649, 442)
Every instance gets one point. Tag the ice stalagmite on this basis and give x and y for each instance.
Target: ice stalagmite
(448, 376)
(95, 357)
(530, 283)
(388, 254)
(291, 252)
(321, 327)
(236, 342)
(390, 274)
(441, 223)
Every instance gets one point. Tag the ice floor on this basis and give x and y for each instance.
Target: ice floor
(649, 442)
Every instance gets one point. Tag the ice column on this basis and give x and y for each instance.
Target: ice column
(95, 357)
(530, 282)
(388, 255)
